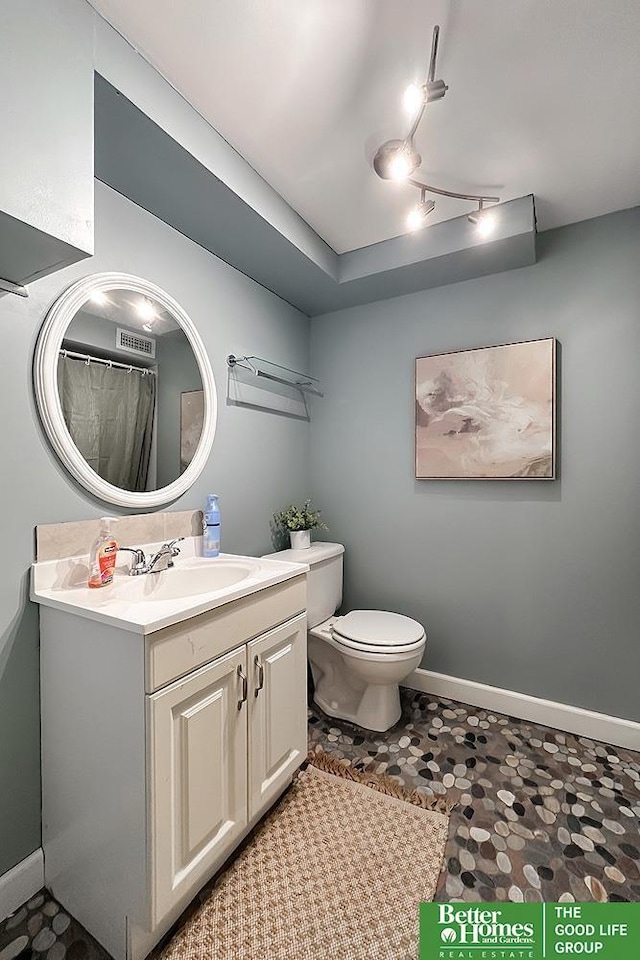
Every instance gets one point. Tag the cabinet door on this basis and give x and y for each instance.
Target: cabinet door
(277, 710)
(198, 777)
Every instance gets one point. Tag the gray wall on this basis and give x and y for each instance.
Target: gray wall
(233, 315)
(528, 585)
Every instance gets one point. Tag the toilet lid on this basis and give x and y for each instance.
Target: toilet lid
(378, 628)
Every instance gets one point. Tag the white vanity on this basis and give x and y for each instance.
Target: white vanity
(173, 715)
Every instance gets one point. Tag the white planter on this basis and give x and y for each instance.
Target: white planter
(300, 539)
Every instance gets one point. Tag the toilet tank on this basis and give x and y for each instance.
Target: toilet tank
(324, 581)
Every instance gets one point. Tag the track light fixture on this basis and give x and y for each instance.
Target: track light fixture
(484, 220)
(399, 159)
(99, 298)
(145, 310)
(417, 217)
(396, 160)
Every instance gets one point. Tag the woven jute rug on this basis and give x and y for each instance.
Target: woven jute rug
(335, 872)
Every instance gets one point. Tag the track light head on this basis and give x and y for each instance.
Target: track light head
(413, 99)
(146, 310)
(417, 97)
(396, 160)
(485, 221)
(434, 90)
(487, 224)
(417, 217)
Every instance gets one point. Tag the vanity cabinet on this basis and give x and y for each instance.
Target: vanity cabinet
(160, 752)
(46, 118)
(224, 742)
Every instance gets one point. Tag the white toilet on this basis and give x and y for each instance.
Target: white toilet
(358, 660)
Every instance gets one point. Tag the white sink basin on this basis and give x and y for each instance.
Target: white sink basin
(206, 577)
(151, 601)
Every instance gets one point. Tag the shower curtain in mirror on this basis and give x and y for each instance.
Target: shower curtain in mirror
(109, 414)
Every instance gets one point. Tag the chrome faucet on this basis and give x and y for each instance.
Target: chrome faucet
(161, 560)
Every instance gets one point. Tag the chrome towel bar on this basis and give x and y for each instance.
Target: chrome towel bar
(304, 383)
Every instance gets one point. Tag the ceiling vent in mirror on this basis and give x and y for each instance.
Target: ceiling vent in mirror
(135, 343)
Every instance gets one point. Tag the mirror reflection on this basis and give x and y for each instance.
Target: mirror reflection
(130, 390)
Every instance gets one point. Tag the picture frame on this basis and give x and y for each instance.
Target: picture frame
(191, 425)
(487, 413)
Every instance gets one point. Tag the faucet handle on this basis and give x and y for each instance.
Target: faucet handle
(139, 560)
(171, 545)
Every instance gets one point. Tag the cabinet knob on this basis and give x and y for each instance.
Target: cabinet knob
(245, 687)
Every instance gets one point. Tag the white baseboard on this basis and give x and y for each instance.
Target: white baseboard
(560, 716)
(21, 882)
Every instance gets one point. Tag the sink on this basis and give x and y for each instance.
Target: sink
(152, 601)
(206, 577)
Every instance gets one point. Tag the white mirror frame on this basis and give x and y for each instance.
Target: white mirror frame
(48, 399)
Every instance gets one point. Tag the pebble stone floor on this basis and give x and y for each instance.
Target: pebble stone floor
(539, 815)
(42, 929)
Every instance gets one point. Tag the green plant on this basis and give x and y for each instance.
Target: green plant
(299, 518)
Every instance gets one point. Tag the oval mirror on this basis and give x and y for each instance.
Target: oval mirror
(125, 390)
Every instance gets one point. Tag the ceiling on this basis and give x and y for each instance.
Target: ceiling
(543, 99)
(119, 307)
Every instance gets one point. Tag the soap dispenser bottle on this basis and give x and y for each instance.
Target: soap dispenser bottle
(211, 527)
(102, 557)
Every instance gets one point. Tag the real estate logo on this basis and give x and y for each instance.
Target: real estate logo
(485, 927)
(529, 931)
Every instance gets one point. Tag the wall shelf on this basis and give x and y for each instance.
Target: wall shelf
(277, 373)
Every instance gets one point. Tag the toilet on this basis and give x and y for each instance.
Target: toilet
(358, 660)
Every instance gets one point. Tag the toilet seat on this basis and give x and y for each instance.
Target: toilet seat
(377, 631)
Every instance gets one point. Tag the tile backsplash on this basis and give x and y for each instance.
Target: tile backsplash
(54, 541)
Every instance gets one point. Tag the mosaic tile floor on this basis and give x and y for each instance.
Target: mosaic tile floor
(540, 815)
(41, 930)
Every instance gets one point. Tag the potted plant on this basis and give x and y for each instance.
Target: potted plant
(299, 521)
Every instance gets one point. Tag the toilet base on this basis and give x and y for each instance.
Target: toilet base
(378, 709)
(359, 686)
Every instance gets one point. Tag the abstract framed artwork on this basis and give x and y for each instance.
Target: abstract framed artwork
(487, 413)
